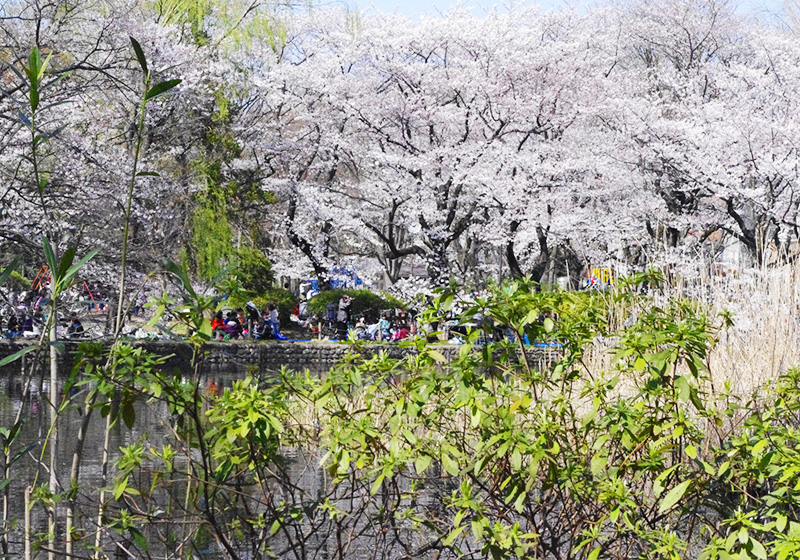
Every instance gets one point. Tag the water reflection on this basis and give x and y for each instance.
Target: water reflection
(299, 486)
(27, 399)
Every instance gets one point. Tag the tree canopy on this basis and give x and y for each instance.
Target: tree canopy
(520, 143)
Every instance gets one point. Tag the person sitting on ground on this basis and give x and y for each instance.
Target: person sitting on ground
(412, 323)
(218, 326)
(12, 328)
(373, 331)
(75, 327)
(399, 332)
(402, 320)
(30, 327)
(233, 329)
(253, 317)
(263, 330)
(360, 328)
(302, 322)
(242, 319)
(313, 323)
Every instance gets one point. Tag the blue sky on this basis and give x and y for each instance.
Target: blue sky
(415, 8)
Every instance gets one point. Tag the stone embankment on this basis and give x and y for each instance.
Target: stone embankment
(229, 357)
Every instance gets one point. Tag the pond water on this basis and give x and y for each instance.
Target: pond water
(151, 425)
(306, 482)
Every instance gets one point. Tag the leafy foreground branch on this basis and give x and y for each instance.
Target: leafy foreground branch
(483, 457)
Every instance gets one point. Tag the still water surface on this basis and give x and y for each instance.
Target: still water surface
(152, 427)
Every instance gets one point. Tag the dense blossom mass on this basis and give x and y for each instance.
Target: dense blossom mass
(520, 143)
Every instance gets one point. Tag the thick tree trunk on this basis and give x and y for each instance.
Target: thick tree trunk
(438, 268)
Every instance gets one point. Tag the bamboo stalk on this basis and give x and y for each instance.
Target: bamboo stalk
(53, 482)
(103, 482)
(27, 523)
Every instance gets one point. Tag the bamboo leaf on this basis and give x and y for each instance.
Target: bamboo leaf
(66, 262)
(21, 453)
(68, 276)
(43, 67)
(8, 270)
(137, 48)
(34, 72)
(158, 89)
(34, 65)
(34, 98)
(17, 355)
(156, 317)
(49, 256)
(204, 330)
(178, 272)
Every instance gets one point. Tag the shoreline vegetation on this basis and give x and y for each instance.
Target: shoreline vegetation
(650, 435)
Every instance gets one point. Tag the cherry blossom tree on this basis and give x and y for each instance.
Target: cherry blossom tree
(524, 143)
(431, 133)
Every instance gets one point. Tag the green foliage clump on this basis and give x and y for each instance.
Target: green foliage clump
(365, 302)
(519, 454)
(253, 269)
(284, 300)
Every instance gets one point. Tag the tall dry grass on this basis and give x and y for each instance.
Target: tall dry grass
(764, 340)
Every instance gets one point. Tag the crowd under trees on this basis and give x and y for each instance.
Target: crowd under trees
(518, 143)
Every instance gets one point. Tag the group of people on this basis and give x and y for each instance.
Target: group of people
(247, 323)
(23, 324)
(398, 328)
(390, 327)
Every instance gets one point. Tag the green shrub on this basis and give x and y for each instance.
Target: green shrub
(491, 454)
(365, 302)
(284, 300)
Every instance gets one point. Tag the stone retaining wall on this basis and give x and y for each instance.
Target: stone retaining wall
(229, 357)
